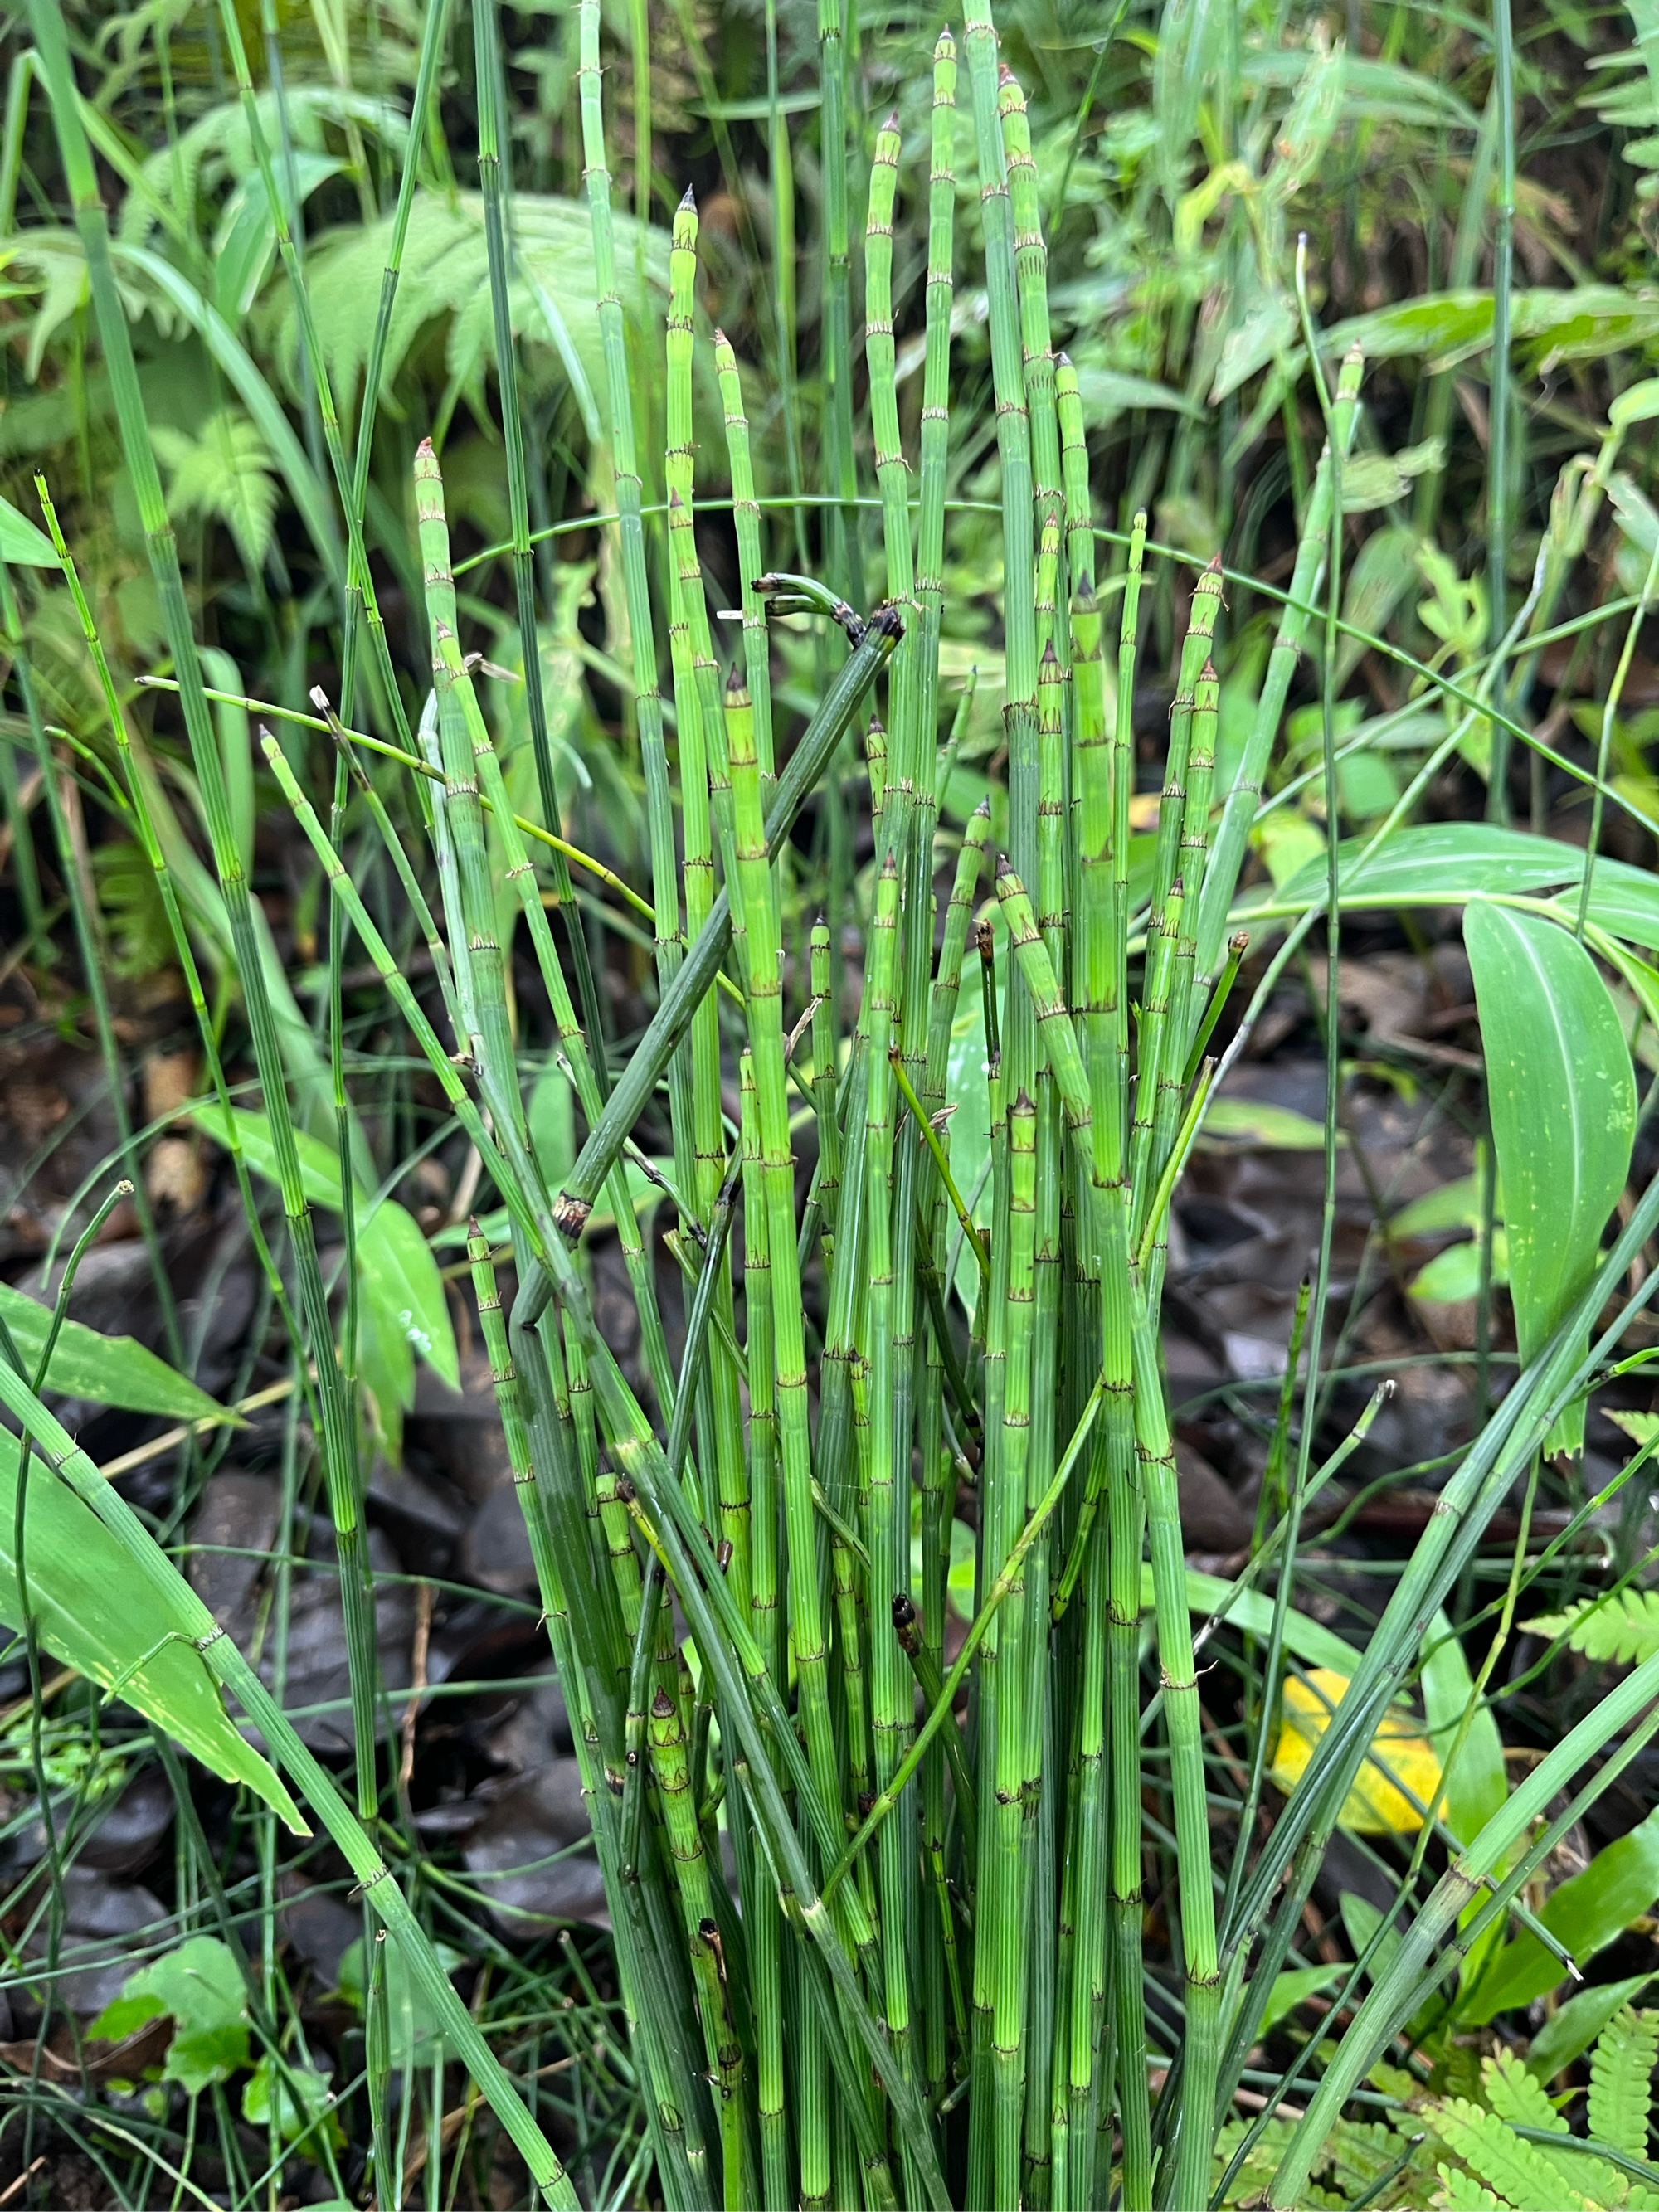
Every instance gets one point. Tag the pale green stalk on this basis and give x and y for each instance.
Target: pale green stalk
(359, 577)
(1001, 1953)
(1039, 1787)
(433, 30)
(647, 701)
(699, 713)
(1082, 2068)
(1172, 1081)
(825, 1084)
(936, 397)
(455, 685)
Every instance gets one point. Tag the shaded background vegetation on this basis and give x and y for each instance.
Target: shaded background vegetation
(1179, 151)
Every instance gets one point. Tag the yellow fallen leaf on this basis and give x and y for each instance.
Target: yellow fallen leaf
(1399, 1754)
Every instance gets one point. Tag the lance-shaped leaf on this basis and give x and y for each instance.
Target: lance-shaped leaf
(1562, 1105)
(109, 1371)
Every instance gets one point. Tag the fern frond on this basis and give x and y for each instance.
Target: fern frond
(1622, 2069)
(1518, 2096)
(224, 472)
(1461, 2192)
(1492, 2149)
(446, 273)
(1624, 1629)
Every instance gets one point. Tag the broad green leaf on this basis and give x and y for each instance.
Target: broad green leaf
(416, 2030)
(1360, 1922)
(21, 543)
(399, 1277)
(1374, 480)
(109, 1371)
(1241, 1124)
(1584, 1915)
(1456, 1204)
(1562, 1099)
(1637, 403)
(1252, 1612)
(1441, 864)
(1108, 392)
(1454, 1274)
(1476, 1783)
(1379, 577)
(1569, 2033)
(296, 2097)
(1291, 847)
(1293, 1985)
(201, 1986)
(143, 1643)
(1625, 902)
(1587, 322)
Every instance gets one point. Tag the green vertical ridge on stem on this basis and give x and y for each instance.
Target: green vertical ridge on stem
(662, 2115)
(764, 987)
(671, 1768)
(765, 1928)
(746, 520)
(1031, 278)
(887, 1493)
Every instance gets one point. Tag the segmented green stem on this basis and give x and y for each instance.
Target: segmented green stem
(765, 991)
(651, 1056)
(671, 1768)
(765, 1929)
(1031, 278)
(1172, 808)
(936, 388)
(825, 1083)
(751, 565)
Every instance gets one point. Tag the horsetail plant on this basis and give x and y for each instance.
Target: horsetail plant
(878, 1892)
